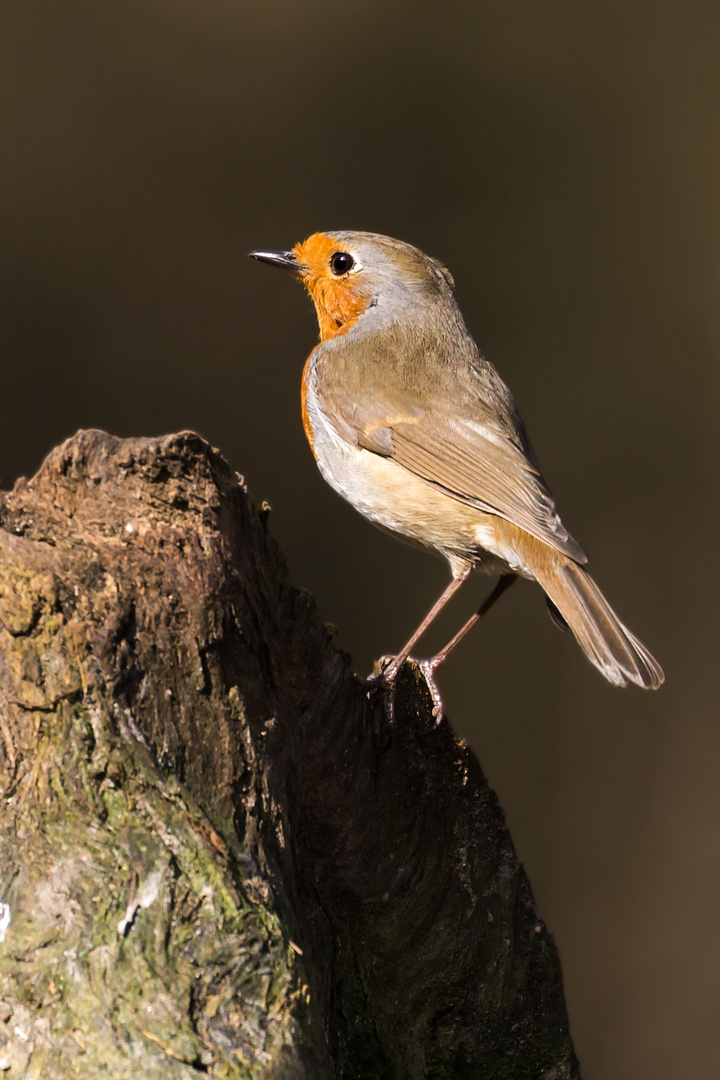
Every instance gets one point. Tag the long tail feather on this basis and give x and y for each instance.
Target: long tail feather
(605, 641)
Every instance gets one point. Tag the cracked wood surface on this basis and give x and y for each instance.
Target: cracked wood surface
(218, 859)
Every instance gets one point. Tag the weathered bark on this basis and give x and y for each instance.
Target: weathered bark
(216, 854)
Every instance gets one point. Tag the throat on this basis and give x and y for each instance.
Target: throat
(330, 325)
(337, 308)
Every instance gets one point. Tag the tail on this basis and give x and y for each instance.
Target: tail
(602, 637)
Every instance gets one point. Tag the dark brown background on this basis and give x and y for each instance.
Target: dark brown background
(563, 160)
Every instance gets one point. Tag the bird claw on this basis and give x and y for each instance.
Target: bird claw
(378, 683)
(428, 668)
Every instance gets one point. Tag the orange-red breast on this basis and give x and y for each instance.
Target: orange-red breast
(412, 425)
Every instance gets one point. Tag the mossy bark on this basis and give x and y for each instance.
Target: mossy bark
(215, 855)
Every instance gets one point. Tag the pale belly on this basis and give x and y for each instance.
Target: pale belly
(396, 499)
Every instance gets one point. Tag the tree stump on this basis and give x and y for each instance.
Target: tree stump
(216, 857)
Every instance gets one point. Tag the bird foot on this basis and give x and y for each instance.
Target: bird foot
(381, 683)
(428, 668)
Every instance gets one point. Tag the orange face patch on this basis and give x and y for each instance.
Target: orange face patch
(338, 301)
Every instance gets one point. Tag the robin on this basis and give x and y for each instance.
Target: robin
(415, 428)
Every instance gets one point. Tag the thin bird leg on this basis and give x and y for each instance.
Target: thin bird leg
(504, 583)
(388, 676)
(385, 682)
(429, 667)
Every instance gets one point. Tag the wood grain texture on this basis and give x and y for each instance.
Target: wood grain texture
(217, 857)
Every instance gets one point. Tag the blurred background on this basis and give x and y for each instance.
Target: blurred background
(563, 160)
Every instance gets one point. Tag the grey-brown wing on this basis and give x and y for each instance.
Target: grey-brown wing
(471, 460)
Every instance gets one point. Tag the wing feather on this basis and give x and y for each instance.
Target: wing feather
(493, 476)
(471, 460)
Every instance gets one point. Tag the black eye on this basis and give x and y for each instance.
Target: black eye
(341, 262)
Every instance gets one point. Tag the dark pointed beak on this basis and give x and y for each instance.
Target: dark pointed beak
(286, 259)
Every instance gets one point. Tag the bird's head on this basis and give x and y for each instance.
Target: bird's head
(349, 273)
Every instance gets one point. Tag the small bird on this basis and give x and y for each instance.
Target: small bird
(411, 424)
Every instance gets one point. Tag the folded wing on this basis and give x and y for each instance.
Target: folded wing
(468, 458)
